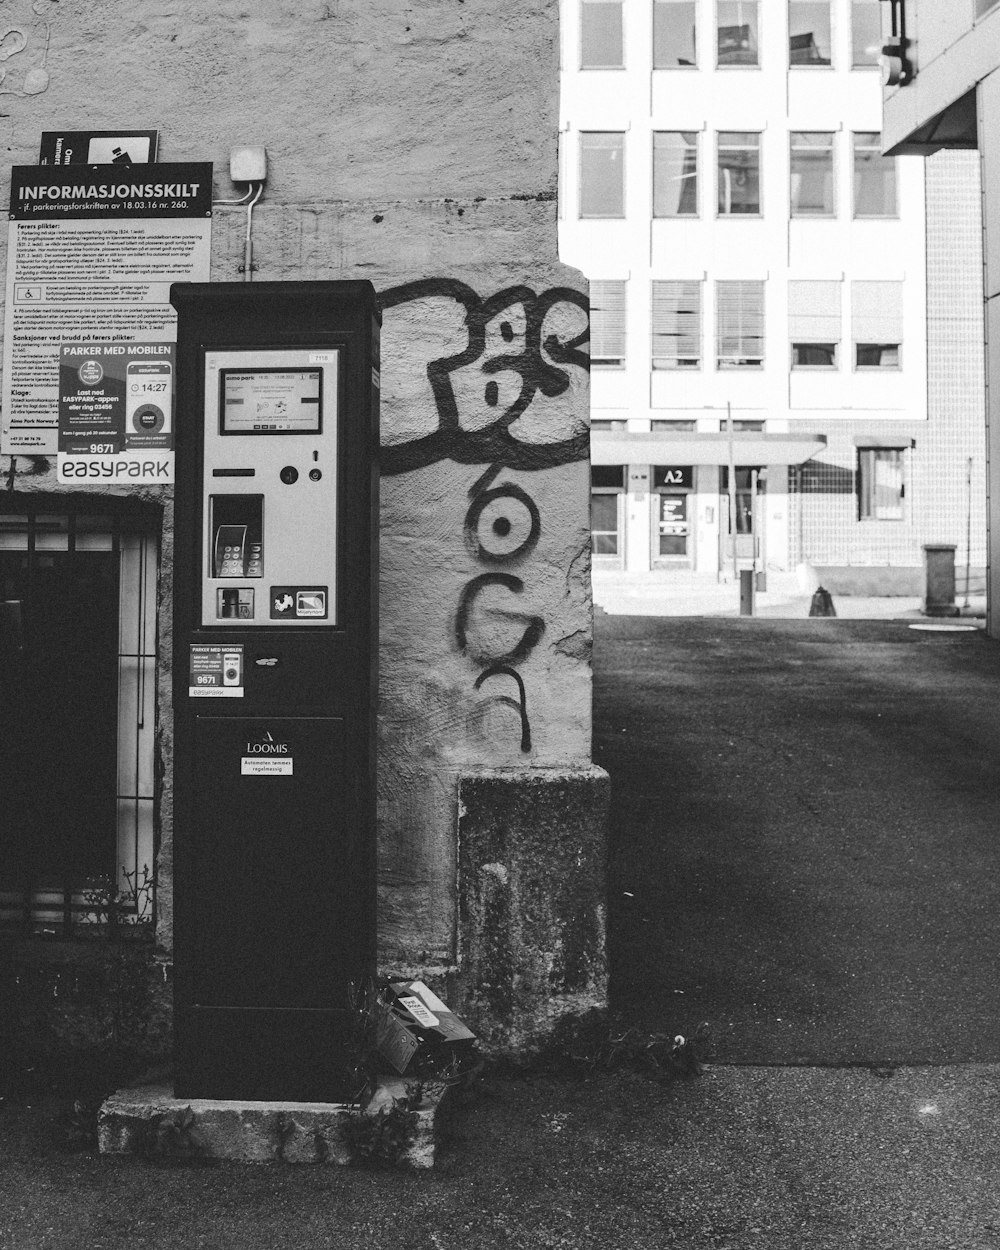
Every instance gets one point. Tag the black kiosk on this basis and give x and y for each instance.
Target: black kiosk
(274, 653)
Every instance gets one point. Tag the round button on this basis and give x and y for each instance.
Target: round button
(289, 474)
(315, 475)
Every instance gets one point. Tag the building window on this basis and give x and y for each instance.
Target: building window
(809, 32)
(874, 177)
(866, 33)
(675, 173)
(876, 355)
(877, 324)
(674, 34)
(811, 174)
(739, 325)
(607, 484)
(77, 717)
(601, 45)
(608, 423)
(881, 483)
(676, 325)
(602, 173)
(739, 173)
(738, 26)
(668, 426)
(814, 355)
(607, 325)
(814, 324)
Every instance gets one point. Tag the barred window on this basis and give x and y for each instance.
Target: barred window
(77, 710)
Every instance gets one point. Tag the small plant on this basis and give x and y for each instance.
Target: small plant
(382, 1139)
(77, 1126)
(590, 1043)
(176, 1135)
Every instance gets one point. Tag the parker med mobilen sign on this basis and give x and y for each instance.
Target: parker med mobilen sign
(88, 360)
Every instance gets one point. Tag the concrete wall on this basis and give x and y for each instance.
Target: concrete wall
(413, 145)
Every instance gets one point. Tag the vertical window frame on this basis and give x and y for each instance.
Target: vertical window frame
(662, 7)
(619, 147)
(668, 298)
(739, 5)
(586, 5)
(742, 330)
(857, 62)
(858, 183)
(608, 296)
(605, 490)
(689, 170)
(868, 458)
(831, 168)
(732, 146)
(811, 63)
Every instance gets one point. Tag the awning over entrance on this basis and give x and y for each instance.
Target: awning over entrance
(668, 447)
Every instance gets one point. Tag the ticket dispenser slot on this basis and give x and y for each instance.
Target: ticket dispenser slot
(275, 633)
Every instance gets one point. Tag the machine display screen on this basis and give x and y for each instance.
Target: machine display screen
(272, 401)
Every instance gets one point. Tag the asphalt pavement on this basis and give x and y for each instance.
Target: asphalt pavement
(804, 845)
(803, 853)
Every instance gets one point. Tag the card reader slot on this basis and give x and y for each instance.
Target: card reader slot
(234, 472)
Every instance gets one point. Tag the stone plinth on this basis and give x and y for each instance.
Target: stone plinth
(151, 1123)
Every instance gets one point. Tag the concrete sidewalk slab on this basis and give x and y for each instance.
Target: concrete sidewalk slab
(690, 594)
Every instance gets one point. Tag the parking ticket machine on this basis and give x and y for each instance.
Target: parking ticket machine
(274, 653)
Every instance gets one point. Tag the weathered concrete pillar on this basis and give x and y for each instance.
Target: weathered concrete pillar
(413, 145)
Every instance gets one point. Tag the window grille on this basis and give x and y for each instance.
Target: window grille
(78, 677)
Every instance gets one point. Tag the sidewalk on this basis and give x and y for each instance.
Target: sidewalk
(736, 1159)
(690, 594)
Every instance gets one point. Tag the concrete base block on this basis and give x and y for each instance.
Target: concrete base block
(151, 1123)
(532, 852)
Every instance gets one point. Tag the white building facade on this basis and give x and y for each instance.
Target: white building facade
(759, 295)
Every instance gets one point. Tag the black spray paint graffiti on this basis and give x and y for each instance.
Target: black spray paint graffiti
(502, 524)
(537, 366)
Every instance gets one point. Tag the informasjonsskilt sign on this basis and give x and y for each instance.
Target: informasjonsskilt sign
(92, 252)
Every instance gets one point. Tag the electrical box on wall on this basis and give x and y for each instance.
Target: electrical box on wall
(275, 641)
